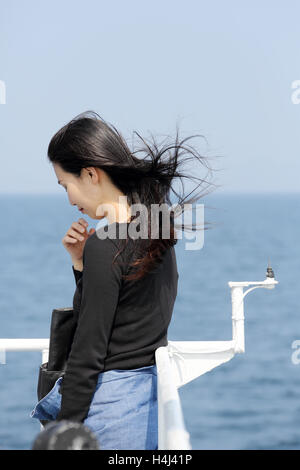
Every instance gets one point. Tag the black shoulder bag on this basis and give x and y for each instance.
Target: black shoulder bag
(62, 331)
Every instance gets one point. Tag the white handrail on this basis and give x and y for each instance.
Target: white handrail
(25, 344)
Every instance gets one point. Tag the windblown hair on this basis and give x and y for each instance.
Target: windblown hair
(88, 140)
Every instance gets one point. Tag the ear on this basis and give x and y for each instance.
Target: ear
(93, 173)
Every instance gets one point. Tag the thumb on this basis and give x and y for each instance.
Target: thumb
(91, 231)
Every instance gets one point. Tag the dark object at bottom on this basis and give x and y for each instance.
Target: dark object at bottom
(65, 435)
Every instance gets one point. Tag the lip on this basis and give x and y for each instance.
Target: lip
(81, 210)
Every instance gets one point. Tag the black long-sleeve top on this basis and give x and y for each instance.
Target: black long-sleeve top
(119, 323)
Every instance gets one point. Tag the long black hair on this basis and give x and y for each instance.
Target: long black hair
(88, 140)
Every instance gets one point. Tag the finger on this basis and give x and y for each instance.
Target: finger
(75, 234)
(68, 239)
(78, 226)
(83, 222)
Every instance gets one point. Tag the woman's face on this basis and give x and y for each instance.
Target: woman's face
(84, 191)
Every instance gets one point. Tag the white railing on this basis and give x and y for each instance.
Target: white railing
(182, 361)
(177, 364)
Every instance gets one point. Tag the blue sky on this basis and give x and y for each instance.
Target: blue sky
(221, 69)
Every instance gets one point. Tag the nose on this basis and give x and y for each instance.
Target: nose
(70, 200)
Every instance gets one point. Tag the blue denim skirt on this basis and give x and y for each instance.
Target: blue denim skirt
(123, 413)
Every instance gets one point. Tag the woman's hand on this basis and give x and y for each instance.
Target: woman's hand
(75, 239)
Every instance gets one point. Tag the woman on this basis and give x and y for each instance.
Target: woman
(125, 285)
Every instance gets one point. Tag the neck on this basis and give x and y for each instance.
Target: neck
(117, 210)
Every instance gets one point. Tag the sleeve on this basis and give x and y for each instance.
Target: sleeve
(101, 283)
(77, 274)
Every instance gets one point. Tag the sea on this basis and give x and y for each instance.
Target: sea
(250, 402)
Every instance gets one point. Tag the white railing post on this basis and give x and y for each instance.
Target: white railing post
(171, 428)
(45, 354)
(237, 301)
(238, 318)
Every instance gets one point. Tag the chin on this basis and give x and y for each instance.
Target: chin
(99, 217)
